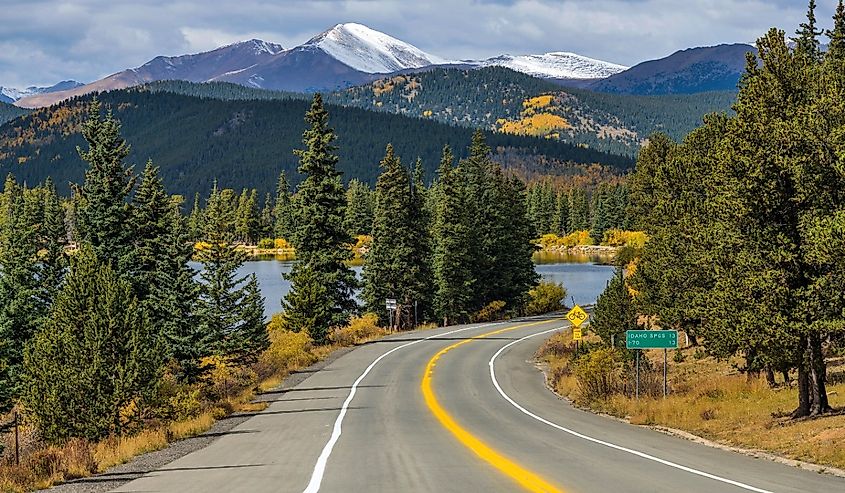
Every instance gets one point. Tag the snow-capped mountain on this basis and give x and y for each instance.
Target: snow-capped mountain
(342, 56)
(11, 94)
(554, 65)
(371, 51)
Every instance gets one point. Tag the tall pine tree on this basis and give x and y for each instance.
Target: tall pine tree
(322, 245)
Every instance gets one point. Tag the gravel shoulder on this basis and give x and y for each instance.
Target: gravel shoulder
(151, 461)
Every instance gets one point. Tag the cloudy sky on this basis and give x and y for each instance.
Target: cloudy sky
(44, 41)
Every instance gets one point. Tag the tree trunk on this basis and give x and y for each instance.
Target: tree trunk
(770, 377)
(786, 380)
(803, 409)
(817, 375)
(693, 340)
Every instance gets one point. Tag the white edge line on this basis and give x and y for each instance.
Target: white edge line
(602, 442)
(322, 460)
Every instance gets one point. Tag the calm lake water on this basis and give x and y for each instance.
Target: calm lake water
(584, 278)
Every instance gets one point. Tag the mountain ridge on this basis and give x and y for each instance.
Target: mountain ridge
(345, 55)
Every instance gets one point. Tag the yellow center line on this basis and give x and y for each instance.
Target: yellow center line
(526, 478)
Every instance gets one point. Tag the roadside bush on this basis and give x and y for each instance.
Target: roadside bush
(360, 329)
(266, 243)
(546, 297)
(226, 380)
(287, 350)
(492, 311)
(598, 374)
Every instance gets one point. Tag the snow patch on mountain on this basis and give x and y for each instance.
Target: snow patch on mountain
(12, 94)
(371, 51)
(554, 65)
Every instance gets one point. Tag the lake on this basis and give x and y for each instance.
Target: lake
(584, 278)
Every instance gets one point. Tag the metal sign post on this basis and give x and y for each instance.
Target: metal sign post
(652, 339)
(390, 304)
(638, 375)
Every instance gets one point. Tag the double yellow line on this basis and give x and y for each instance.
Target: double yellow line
(526, 478)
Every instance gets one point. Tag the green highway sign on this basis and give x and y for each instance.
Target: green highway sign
(651, 339)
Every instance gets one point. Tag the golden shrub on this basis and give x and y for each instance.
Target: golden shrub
(618, 237)
(281, 243)
(288, 350)
(360, 329)
(490, 312)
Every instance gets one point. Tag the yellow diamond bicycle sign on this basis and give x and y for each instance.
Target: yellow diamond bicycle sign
(577, 316)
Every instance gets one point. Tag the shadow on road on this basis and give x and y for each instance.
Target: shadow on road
(289, 411)
(259, 399)
(308, 389)
(129, 475)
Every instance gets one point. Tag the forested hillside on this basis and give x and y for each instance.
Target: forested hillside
(503, 100)
(10, 112)
(243, 143)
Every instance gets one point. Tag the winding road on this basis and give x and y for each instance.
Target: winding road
(456, 409)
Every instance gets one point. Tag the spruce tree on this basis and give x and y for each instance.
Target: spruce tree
(836, 46)
(807, 43)
(283, 209)
(21, 308)
(560, 225)
(96, 354)
(164, 280)
(397, 264)
(322, 244)
(230, 311)
(579, 210)
(103, 215)
(359, 208)
(615, 312)
(53, 240)
(195, 220)
(452, 252)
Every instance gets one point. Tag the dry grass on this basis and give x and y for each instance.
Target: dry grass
(712, 400)
(232, 389)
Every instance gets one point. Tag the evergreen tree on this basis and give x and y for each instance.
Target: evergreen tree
(322, 244)
(615, 312)
(836, 46)
(560, 224)
(265, 226)
(359, 208)
(103, 215)
(230, 309)
(283, 209)
(396, 265)
(195, 220)
(21, 309)
(579, 210)
(422, 275)
(600, 213)
(452, 253)
(512, 249)
(53, 240)
(164, 280)
(807, 43)
(96, 354)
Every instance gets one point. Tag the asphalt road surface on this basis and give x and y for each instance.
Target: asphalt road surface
(457, 409)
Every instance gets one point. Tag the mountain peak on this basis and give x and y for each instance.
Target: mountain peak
(371, 51)
(258, 45)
